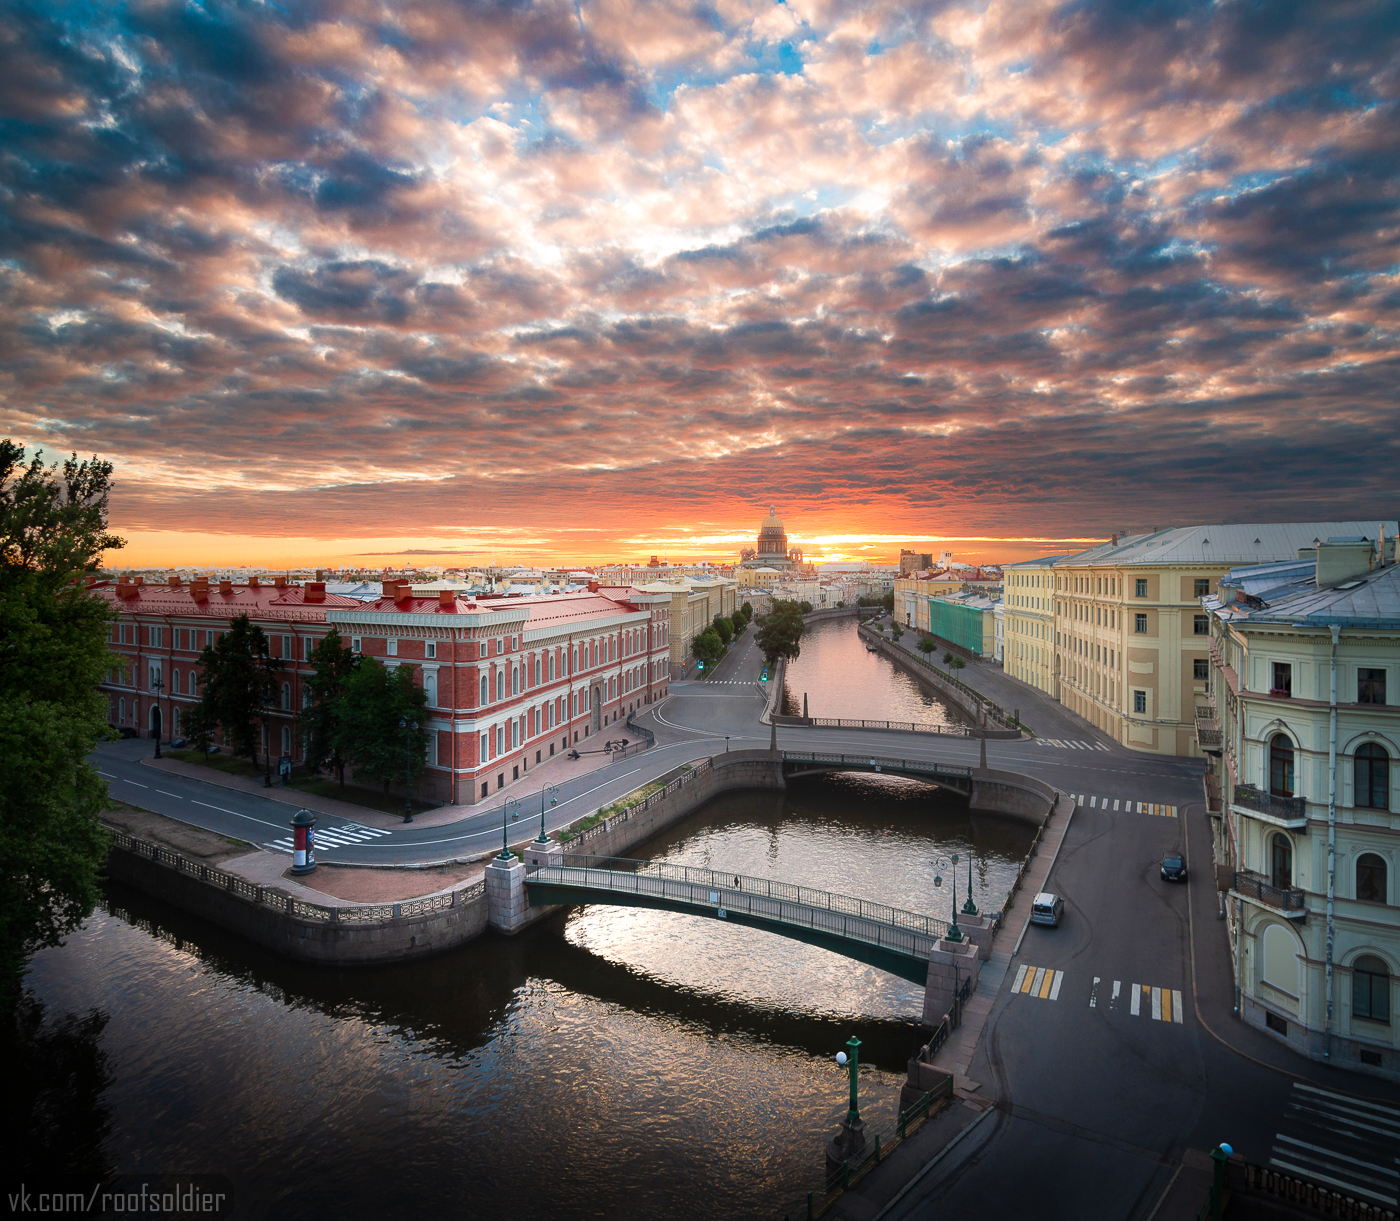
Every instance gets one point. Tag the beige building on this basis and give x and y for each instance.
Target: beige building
(1304, 738)
(1131, 638)
(1030, 623)
(695, 601)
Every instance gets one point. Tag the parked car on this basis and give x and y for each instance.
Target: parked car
(1173, 867)
(1047, 909)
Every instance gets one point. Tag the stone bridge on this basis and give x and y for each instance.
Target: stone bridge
(945, 775)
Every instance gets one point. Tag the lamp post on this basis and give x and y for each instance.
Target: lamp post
(969, 908)
(508, 811)
(267, 741)
(852, 1064)
(550, 794)
(943, 862)
(408, 727)
(157, 686)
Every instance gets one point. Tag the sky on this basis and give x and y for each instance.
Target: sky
(358, 282)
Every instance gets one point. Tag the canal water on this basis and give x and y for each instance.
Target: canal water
(840, 677)
(614, 1062)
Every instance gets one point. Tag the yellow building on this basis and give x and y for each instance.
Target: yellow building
(695, 602)
(1030, 623)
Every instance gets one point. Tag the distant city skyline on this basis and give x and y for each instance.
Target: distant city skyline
(609, 278)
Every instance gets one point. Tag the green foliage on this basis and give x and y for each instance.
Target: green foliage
(53, 655)
(927, 645)
(738, 622)
(238, 684)
(806, 607)
(780, 631)
(374, 699)
(747, 610)
(871, 602)
(957, 663)
(948, 657)
(725, 627)
(708, 646)
(888, 603)
(332, 663)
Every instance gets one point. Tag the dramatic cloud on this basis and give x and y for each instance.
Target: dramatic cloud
(583, 277)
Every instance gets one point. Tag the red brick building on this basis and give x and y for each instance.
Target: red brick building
(510, 680)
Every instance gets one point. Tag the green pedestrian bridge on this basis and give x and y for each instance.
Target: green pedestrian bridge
(885, 937)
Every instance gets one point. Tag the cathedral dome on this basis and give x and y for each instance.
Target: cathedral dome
(772, 521)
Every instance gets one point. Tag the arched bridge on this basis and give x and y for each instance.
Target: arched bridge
(886, 937)
(945, 775)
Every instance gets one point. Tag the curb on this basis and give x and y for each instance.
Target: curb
(1055, 856)
(937, 1157)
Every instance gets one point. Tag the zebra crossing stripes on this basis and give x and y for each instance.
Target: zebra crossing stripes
(1339, 1142)
(1125, 805)
(1071, 744)
(334, 837)
(1164, 1004)
(1041, 982)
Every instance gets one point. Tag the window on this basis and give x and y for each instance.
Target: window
(286, 646)
(1200, 625)
(483, 755)
(1141, 587)
(1140, 624)
(485, 689)
(430, 688)
(287, 696)
(121, 712)
(1371, 772)
(286, 740)
(1202, 587)
(1281, 766)
(1370, 989)
(354, 644)
(1370, 686)
(1281, 861)
(174, 682)
(430, 649)
(1281, 959)
(156, 637)
(1200, 669)
(500, 684)
(1370, 878)
(392, 647)
(175, 722)
(1140, 702)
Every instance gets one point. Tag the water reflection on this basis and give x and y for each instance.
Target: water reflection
(840, 678)
(611, 1062)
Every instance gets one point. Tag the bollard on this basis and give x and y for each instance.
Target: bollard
(303, 841)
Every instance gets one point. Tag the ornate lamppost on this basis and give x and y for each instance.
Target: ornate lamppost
(548, 796)
(509, 811)
(950, 863)
(409, 728)
(969, 908)
(157, 686)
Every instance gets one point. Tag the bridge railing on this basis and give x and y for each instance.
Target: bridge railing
(904, 765)
(710, 888)
(956, 731)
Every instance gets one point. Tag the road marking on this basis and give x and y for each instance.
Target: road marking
(1055, 987)
(109, 775)
(1043, 983)
(1020, 975)
(163, 793)
(1115, 805)
(1157, 1004)
(137, 783)
(1316, 1119)
(1113, 1002)
(236, 814)
(1135, 1008)
(1094, 994)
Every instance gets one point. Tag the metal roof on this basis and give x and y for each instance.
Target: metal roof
(1371, 600)
(1232, 545)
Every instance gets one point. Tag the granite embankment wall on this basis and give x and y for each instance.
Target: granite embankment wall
(310, 932)
(1013, 795)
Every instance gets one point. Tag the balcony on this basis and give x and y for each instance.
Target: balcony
(1282, 811)
(1289, 901)
(1208, 733)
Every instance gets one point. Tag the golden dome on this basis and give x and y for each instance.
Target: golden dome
(772, 521)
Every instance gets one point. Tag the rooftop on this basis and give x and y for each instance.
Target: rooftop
(1220, 544)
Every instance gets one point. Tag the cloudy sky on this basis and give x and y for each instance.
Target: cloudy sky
(333, 280)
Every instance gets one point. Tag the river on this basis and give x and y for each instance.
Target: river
(841, 678)
(613, 1062)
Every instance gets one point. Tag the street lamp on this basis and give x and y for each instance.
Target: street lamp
(157, 686)
(943, 862)
(549, 792)
(852, 1064)
(509, 811)
(969, 908)
(408, 727)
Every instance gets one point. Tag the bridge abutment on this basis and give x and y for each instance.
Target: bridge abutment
(506, 901)
(950, 964)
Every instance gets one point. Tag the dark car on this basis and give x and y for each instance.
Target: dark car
(1174, 867)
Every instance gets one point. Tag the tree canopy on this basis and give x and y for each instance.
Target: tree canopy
(53, 655)
(724, 625)
(332, 663)
(238, 682)
(780, 631)
(373, 700)
(708, 646)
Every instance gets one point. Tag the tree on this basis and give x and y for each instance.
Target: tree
(747, 608)
(927, 645)
(725, 627)
(332, 663)
(888, 603)
(806, 607)
(957, 663)
(708, 646)
(238, 686)
(948, 657)
(53, 655)
(897, 630)
(780, 631)
(738, 622)
(373, 700)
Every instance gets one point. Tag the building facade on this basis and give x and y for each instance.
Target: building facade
(1303, 731)
(1030, 623)
(509, 680)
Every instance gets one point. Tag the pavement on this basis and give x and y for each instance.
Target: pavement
(1104, 1069)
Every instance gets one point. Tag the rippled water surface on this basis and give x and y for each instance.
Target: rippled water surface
(841, 678)
(614, 1062)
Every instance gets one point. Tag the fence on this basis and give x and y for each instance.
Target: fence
(1247, 1179)
(1021, 870)
(956, 731)
(640, 729)
(994, 711)
(569, 836)
(275, 900)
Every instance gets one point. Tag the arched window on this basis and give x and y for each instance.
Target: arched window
(174, 682)
(287, 702)
(1371, 771)
(485, 689)
(287, 740)
(500, 684)
(1281, 766)
(430, 688)
(174, 722)
(1370, 878)
(121, 712)
(1281, 959)
(1281, 861)
(1370, 989)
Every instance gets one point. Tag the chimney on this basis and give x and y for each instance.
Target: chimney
(314, 591)
(387, 587)
(225, 587)
(1115, 540)
(447, 597)
(403, 591)
(593, 587)
(1342, 559)
(280, 582)
(199, 589)
(253, 582)
(174, 580)
(140, 580)
(125, 589)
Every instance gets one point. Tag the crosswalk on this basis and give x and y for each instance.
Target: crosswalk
(1041, 982)
(1071, 744)
(1124, 805)
(1140, 1000)
(327, 838)
(1343, 1143)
